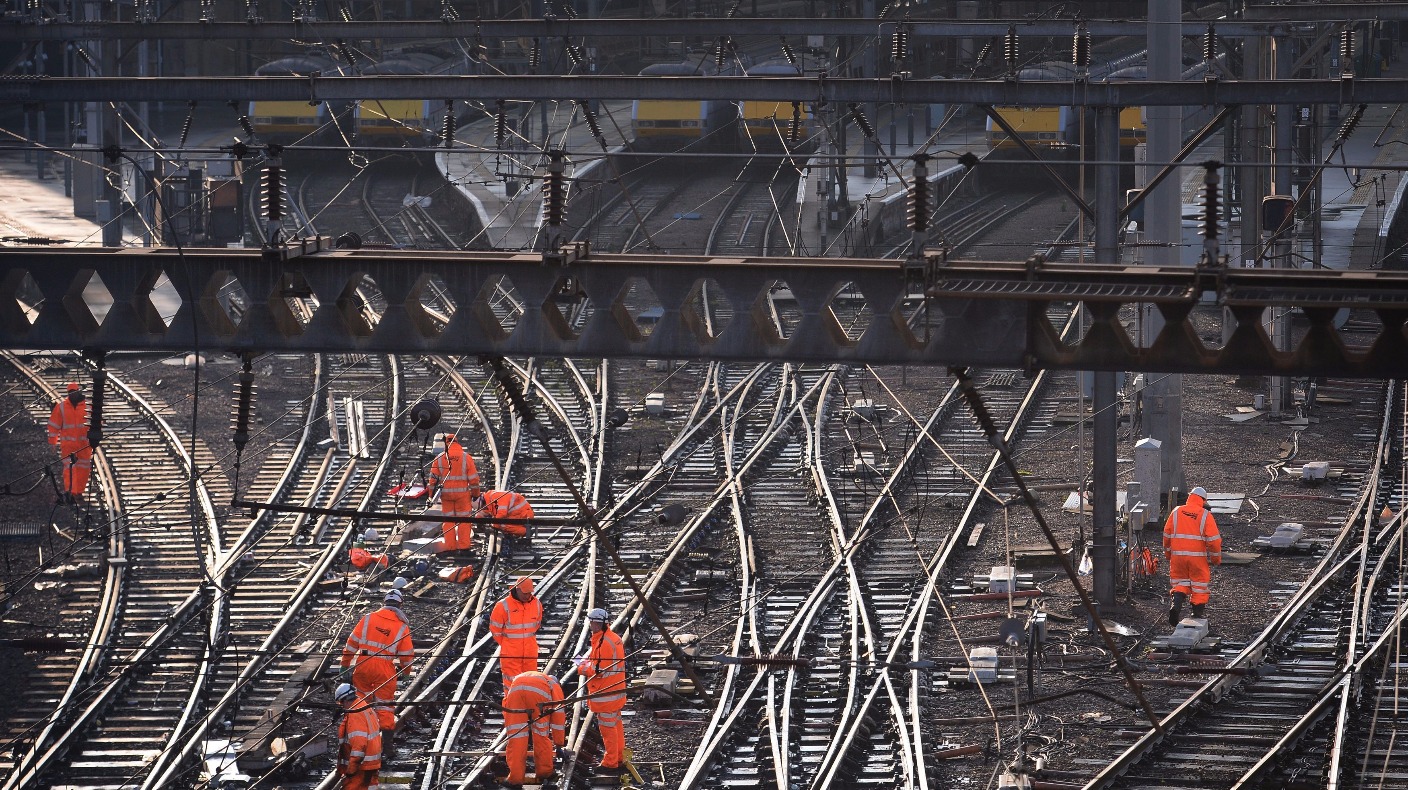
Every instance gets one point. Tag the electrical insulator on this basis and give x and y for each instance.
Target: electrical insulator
(186, 127)
(721, 53)
(273, 190)
(862, 122)
(554, 190)
(733, 9)
(1347, 128)
(244, 403)
(917, 214)
(535, 56)
(1210, 44)
(983, 54)
(1010, 50)
(566, 10)
(344, 12)
(95, 411)
(246, 126)
(1347, 51)
(574, 54)
(590, 118)
(347, 54)
(794, 129)
(899, 46)
(1080, 49)
(1211, 209)
(500, 123)
(787, 51)
(447, 132)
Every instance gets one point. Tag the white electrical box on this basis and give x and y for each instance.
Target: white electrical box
(1011, 781)
(1003, 579)
(1315, 470)
(864, 409)
(982, 664)
(1189, 632)
(655, 404)
(1286, 535)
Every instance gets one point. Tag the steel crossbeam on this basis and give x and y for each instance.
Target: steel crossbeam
(498, 29)
(681, 307)
(837, 92)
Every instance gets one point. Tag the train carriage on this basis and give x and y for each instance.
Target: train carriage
(674, 125)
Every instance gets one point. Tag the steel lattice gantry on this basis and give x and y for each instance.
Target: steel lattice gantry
(976, 313)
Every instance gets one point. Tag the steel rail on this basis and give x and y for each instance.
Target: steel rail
(164, 770)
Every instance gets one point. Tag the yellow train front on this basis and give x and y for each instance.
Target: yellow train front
(775, 127)
(679, 124)
(402, 121)
(291, 122)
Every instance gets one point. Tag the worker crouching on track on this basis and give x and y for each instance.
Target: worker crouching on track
(533, 705)
(359, 741)
(604, 667)
(68, 428)
(454, 471)
(505, 504)
(514, 623)
(1191, 542)
(377, 649)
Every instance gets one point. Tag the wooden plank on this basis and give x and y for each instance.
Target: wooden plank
(975, 535)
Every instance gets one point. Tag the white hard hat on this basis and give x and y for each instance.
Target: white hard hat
(371, 534)
(597, 614)
(1199, 491)
(344, 692)
(393, 597)
(401, 581)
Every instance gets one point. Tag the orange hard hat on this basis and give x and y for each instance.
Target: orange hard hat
(73, 386)
(525, 583)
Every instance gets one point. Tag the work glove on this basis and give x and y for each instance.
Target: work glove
(580, 663)
(560, 752)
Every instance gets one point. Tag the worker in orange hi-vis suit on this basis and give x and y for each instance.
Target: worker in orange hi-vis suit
(533, 703)
(359, 741)
(514, 623)
(506, 504)
(378, 647)
(604, 667)
(454, 471)
(68, 428)
(1191, 542)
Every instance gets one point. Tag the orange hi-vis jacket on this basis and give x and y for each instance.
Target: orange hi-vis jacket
(381, 634)
(454, 471)
(68, 427)
(1191, 532)
(508, 504)
(515, 625)
(529, 695)
(359, 738)
(605, 671)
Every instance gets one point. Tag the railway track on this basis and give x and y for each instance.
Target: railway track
(113, 720)
(1266, 696)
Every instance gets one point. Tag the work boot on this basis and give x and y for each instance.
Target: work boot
(1175, 612)
(1198, 610)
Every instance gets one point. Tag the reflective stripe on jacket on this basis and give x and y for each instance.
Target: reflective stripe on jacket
(68, 425)
(454, 471)
(605, 669)
(1191, 531)
(515, 620)
(359, 740)
(383, 633)
(528, 693)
